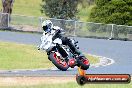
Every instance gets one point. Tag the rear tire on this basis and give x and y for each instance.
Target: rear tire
(57, 62)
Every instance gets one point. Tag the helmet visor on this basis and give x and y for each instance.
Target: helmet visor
(45, 28)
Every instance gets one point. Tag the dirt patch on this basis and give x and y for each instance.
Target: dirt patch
(14, 81)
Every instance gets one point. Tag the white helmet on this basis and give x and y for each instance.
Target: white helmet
(47, 25)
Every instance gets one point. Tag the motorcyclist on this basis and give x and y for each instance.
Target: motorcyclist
(48, 28)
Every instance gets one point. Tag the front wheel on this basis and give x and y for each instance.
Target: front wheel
(83, 62)
(58, 62)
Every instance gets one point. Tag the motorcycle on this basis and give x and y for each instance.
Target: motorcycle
(61, 55)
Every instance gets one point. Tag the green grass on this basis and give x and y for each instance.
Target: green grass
(26, 7)
(32, 8)
(92, 59)
(20, 56)
(74, 85)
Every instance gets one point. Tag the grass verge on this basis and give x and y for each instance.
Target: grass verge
(50, 82)
(21, 56)
(75, 85)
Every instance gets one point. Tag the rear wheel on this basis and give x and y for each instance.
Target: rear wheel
(58, 62)
(83, 62)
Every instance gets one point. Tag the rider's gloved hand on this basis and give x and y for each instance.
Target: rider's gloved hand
(38, 47)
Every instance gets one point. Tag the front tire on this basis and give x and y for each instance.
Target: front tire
(56, 60)
(83, 62)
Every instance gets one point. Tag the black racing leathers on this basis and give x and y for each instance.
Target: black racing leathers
(66, 41)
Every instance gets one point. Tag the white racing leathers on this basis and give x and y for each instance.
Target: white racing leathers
(46, 40)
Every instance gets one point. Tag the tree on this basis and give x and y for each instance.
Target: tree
(62, 9)
(7, 8)
(112, 11)
(100, 3)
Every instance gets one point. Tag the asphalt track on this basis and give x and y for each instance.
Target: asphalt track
(119, 51)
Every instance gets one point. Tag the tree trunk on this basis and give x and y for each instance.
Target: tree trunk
(7, 8)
